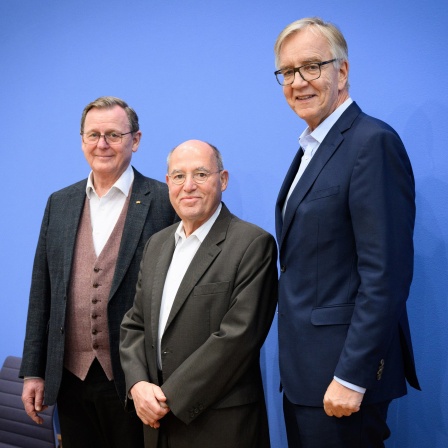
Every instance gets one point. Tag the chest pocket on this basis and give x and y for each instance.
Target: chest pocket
(319, 194)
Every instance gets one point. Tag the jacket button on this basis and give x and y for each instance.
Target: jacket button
(282, 268)
(94, 332)
(95, 285)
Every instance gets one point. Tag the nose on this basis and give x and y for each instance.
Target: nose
(189, 183)
(102, 142)
(298, 81)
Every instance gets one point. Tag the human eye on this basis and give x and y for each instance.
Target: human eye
(311, 68)
(200, 175)
(178, 177)
(113, 137)
(288, 73)
(92, 136)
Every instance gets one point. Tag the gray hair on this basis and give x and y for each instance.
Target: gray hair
(328, 30)
(108, 102)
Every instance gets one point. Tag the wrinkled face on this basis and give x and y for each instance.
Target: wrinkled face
(313, 101)
(109, 161)
(195, 202)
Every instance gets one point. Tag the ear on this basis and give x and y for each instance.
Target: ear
(343, 75)
(224, 175)
(136, 137)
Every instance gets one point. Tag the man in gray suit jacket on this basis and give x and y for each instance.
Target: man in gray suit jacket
(205, 300)
(84, 275)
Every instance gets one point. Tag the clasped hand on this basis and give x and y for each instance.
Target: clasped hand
(150, 403)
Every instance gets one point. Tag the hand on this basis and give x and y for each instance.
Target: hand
(150, 403)
(33, 397)
(341, 401)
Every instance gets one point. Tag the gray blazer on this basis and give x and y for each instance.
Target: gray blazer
(43, 355)
(211, 345)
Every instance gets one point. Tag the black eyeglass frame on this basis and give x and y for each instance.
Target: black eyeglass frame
(297, 69)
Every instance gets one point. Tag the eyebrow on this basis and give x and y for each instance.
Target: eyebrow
(199, 168)
(305, 62)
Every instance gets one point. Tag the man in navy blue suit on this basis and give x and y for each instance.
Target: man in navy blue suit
(344, 221)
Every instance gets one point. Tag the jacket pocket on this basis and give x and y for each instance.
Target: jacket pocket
(333, 315)
(319, 194)
(211, 288)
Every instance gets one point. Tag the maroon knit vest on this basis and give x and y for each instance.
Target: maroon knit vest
(87, 330)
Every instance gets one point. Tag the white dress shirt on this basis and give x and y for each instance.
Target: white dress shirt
(105, 210)
(184, 252)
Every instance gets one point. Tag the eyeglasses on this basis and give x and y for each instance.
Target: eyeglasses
(308, 72)
(199, 177)
(111, 138)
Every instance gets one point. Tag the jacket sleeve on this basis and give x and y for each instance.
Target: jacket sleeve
(382, 212)
(35, 345)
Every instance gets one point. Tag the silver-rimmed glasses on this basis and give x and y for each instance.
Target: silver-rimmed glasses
(111, 138)
(199, 176)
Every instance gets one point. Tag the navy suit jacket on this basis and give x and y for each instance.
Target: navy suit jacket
(43, 355)
(346, 259)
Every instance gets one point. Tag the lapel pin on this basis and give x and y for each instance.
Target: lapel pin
(137, 202)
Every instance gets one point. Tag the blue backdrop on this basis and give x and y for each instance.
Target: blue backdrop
(204, 69)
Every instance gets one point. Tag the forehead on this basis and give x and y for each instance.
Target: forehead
(304, 46)
(113, 117)
(190, 157)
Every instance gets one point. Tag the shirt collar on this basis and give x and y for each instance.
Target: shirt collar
(123, 183)
(322, 130)
(201, 232)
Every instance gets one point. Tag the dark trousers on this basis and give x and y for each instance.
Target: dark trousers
(310, 427)
(91, 414)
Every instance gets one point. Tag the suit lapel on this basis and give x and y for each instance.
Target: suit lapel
(74, 210)
(284, 191)
(164, 260)
(204, 257)
(138, 209)
(330, 144)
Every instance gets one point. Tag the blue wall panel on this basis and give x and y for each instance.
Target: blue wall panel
(204, 69)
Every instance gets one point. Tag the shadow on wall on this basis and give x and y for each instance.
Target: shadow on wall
(428, 311)
(421, 418)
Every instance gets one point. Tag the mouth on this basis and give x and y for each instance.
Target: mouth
(189, 198)
(304, 97)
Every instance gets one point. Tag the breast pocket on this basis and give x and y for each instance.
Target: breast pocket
(211, 289)
(324, 193)
(213, 300)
